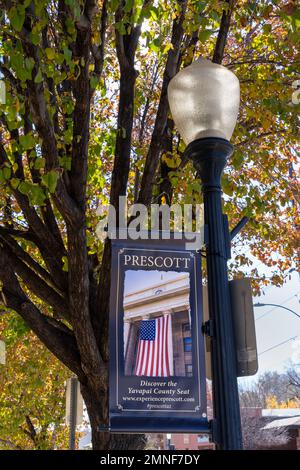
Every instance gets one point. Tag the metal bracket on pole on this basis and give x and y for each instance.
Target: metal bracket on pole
(239, 226)
(227, 237)
(214, 430)
(208, 328)
(103, 428)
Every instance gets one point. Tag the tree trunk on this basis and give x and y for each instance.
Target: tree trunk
(97, 407)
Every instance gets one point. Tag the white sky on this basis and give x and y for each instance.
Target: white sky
(135, 280)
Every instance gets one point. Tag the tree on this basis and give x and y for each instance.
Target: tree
(293, 373)
(32, 391)
(86, 119)
(272, 402)
(269, 389)
(257, 438)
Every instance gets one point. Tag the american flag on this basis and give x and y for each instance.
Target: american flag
(155, 348)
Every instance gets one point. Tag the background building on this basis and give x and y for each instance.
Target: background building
(168, 296)
(189, 442)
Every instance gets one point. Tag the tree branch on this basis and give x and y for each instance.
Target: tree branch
(81, 113)
(43, 123)
(165, 188)
(223, 33)
(60, 342)
(126, 45)
(31, 429)
(6, 235)
(10, 444)
(51, 250)
(37, 285)
(171, 69)
(98, 52)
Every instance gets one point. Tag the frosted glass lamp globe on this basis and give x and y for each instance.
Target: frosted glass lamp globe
(204, 100)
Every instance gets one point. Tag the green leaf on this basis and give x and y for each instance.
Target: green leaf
(29, 64)
(227, 185)
(173, 161)
(50, 53)
(14, 183)
(35, 38)
(65, 263)
(113, 5)
(69, 106)
(267, 28)
(17, 18)
(24, 187)
(94, 81)
(17, 62)
(50, 180)
(16, 325)
(33, 191)
(120, 27)
(154, 13)
(6, 173)
(37, 195)
(39, 77)
(27, 141)
(39, 163)
(128, 5)
(67, 55)
(205, 35)
(155, 45)
(65, 162)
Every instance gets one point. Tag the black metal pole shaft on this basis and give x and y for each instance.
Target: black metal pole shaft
(73, 412)
(209, 156)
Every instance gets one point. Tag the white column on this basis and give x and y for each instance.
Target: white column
(126, 334)
(170, 340)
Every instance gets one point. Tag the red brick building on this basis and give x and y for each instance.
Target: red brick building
(190, 442)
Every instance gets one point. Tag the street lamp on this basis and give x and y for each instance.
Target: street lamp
(259, 304)
(204, 102)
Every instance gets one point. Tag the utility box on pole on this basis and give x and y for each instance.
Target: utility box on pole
(244, 328)
(78, 400)
(2, 352)
(74, 408)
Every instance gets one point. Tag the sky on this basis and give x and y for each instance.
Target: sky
(135, 280)
(275, 325)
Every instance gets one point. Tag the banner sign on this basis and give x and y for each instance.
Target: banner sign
(157, 364)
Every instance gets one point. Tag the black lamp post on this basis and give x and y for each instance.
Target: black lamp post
(204, 101)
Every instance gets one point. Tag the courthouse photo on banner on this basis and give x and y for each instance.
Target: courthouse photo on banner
(157, 324)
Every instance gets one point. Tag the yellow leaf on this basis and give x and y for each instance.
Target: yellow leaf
(50, 53)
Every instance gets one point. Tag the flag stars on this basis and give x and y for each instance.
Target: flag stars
(147, 332)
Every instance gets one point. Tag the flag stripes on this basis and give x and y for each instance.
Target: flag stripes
(155, 348)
